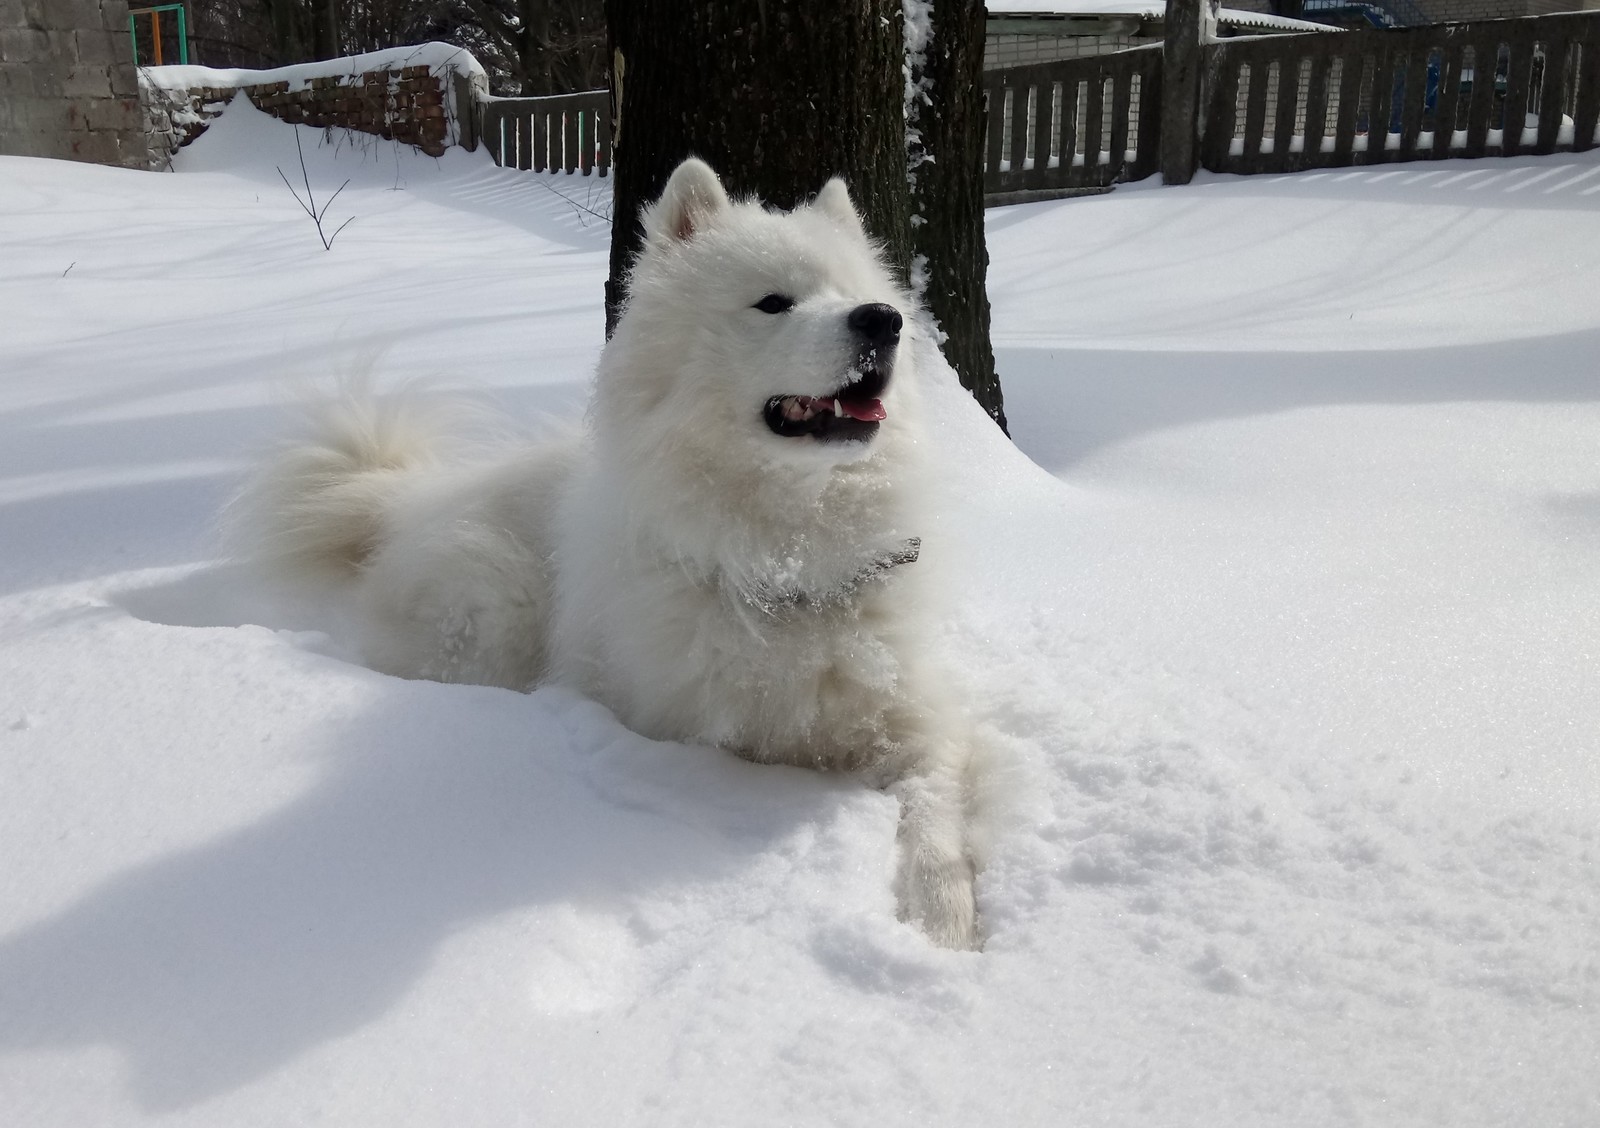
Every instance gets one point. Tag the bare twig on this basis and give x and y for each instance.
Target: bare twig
(580, 207)
(309, 204)
(70, 265)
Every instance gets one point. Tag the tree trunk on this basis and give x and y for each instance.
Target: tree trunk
(777, 95)
(326, 23)
(946, 122)
(533, 45)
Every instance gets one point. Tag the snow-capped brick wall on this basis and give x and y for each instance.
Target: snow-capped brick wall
(67, 86)
(416, 95)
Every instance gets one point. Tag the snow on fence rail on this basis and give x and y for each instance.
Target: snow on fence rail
(1075, 124)
(566, 132)
(1491, 88)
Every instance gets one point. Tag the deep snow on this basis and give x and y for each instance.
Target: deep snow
(1281, 613)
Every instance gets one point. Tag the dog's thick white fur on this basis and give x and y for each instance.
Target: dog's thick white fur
(726, 554)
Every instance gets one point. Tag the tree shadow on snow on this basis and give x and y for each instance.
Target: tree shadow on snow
(440, 806)
(124, 487)
(570, 211)
(1558, 182)
(1066, 403)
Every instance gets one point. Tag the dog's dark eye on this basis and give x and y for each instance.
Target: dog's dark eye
(774, 303)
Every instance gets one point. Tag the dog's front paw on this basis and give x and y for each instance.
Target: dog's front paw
(937, 896)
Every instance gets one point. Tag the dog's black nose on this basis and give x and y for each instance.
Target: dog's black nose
(877, 322)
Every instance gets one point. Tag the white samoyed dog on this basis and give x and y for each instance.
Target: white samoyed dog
(727, 553)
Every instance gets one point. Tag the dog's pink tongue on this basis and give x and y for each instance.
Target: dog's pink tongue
(865, 410)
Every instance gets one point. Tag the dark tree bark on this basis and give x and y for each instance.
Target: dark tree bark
(776, 95)
(529, 47)
(329, 44)
(532, 40)
(946, 172)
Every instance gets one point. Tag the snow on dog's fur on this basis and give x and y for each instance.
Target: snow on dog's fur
(727, 553)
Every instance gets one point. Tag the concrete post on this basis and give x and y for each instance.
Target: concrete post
(1190, 25)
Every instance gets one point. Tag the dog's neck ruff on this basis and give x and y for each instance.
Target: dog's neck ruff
(774, 599)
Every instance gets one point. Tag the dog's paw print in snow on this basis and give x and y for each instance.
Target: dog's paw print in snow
(1215, 972)
(896, 960)
(583, 963)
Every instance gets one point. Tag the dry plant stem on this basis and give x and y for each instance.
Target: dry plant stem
(581, 208)
(309, 204)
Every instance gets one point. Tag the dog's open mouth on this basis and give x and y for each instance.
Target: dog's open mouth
(850, 414)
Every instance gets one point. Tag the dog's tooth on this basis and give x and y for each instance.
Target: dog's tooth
(837, 410)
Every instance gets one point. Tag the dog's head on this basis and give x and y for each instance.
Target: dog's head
(783, 330)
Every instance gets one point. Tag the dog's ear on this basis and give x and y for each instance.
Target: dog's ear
(693, 198)
(834, 202)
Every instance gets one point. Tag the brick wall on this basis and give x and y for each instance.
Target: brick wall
(413, 104)
(67, 82)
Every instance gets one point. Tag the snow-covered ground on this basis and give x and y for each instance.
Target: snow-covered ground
(1282, 612)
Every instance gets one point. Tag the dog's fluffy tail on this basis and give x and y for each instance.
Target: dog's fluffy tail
(318, 509)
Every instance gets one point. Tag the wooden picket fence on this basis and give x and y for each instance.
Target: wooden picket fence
(1276, 103)
(1282, 103)
(563, 133)
(1077, 124)
(1493, 88)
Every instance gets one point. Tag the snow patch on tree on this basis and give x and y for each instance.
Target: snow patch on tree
(918, 93)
